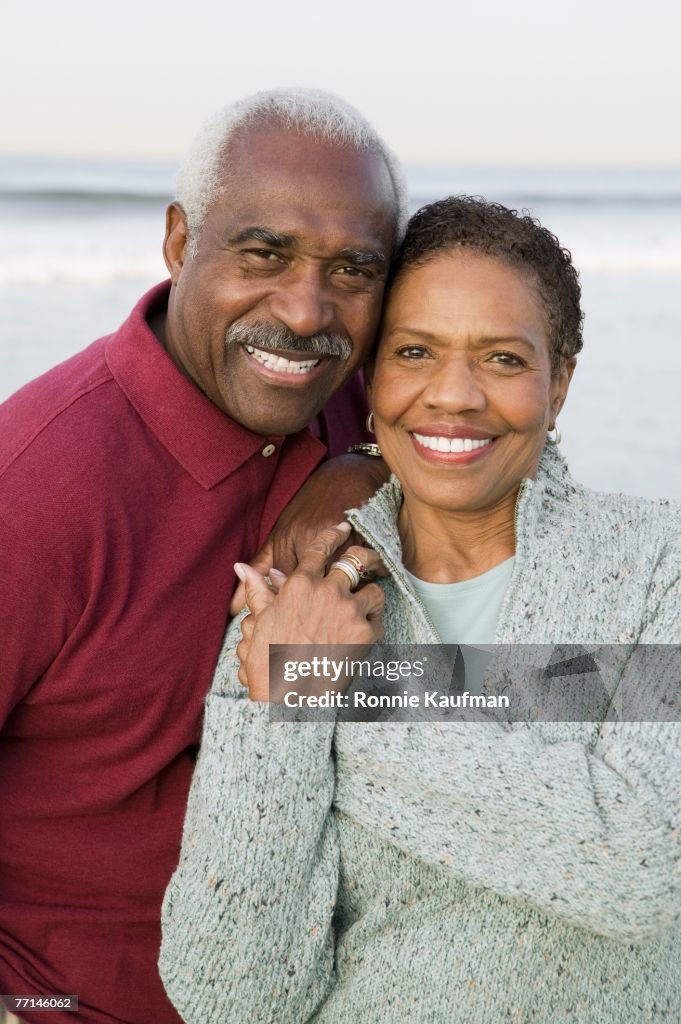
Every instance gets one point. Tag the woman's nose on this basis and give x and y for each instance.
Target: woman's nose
(455, 388)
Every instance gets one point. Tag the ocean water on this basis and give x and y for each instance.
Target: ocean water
(81, 240)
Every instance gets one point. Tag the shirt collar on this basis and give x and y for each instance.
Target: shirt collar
(203, 439)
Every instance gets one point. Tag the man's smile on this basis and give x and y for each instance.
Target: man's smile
(291, 363)
(289, 368)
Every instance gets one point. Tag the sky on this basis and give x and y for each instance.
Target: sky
(511, 82)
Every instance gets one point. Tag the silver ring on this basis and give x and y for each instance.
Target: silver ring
(349, 569)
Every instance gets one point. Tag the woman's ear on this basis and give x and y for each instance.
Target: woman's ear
(560, 385)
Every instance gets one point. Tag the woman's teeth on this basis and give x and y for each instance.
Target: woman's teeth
(273, 362)
(451, 444)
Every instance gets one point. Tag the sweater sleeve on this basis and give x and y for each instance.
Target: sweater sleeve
(584, 831)
(247, 917)
(662, 622)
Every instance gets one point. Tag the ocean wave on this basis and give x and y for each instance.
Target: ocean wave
(531, 199)
(80, 274)
(79, 195)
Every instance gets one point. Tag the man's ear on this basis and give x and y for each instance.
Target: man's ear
(175, 241)
(561, 383)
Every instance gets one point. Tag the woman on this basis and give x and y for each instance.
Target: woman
(451, 872)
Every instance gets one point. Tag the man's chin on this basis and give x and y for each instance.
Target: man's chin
(277, 426)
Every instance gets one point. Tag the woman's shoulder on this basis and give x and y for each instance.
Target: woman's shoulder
(649, 518)
(571, 503)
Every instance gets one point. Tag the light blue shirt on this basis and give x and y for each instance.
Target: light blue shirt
(467, 613)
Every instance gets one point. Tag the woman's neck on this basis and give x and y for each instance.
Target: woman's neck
(447, 547)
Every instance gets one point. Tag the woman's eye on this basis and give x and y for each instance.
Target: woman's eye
(507, 359)
(412, 352)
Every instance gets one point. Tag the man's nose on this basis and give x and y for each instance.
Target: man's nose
(301, 302)
(456, 387)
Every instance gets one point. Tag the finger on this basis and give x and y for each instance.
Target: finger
(243, 676)
(367, 556)
(262, 563)
(247, 627)
(343, 577)
(242, 649)
(316, 556)
(370, 600)
(258, 594)
(277, 579)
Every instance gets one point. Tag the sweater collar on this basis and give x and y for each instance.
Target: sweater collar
(542, 501)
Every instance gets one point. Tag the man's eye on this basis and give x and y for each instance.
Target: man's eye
(266, 255)
(350, 271)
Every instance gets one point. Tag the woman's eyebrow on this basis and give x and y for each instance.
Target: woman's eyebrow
(483, 341)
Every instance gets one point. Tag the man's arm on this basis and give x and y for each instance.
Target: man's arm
(35, 620)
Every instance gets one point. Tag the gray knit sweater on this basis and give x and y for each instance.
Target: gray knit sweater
(449, 873)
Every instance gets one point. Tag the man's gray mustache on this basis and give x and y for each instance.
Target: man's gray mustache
(276, 336)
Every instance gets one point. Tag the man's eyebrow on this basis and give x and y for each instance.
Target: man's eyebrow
(362, 257)
(266, 235)
(257, 233)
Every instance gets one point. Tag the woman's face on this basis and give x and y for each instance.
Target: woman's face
(462, 391)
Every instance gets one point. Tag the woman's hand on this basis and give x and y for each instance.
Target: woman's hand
(313, 606)
(346, 481)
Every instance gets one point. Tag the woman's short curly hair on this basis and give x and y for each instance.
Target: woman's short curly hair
(519, 240)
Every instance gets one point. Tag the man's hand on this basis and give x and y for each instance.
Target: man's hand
(344, 482)
(310, 608)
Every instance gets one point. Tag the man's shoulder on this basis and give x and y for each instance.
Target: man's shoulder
(32, 412)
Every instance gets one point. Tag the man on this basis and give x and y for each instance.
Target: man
(132, 477)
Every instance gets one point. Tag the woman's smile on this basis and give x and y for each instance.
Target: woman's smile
(460, 447)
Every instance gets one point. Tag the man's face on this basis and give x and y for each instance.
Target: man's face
(292, 256)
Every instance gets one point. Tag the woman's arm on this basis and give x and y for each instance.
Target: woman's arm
(586, 831)
(247, 918)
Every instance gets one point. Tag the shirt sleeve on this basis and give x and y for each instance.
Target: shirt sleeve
(247, 917)
(586, 832)
(35, 620)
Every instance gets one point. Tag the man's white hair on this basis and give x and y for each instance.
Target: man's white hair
(312, 112)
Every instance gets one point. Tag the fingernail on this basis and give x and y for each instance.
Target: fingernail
(343, 526)
(277, 572)
(239, 570)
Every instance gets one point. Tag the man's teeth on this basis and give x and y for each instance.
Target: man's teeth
(273, 362)
(451, 444)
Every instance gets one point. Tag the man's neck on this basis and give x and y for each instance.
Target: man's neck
(157, 322)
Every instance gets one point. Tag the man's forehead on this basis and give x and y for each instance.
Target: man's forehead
(275, 163)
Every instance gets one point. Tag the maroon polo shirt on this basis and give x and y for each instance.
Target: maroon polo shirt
(125, 498)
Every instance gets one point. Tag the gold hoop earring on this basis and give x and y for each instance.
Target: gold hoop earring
(370, 422)
(554, 440)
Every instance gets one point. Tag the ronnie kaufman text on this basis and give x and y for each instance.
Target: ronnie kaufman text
(425, 699)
